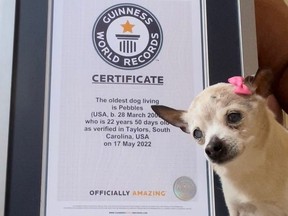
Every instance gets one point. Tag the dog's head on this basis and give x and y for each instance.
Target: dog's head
(225, 123)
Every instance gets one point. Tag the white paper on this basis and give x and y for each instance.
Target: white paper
(108, 153)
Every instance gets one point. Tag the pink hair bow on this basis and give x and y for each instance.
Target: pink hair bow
(240, 87)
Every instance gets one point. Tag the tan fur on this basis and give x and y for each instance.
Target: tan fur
(254, 170)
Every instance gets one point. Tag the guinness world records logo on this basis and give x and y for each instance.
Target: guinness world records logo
(127, 36)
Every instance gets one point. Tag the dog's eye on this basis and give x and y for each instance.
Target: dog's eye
(234, 117)
(197, 134)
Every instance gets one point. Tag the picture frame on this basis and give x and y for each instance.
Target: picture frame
(25, 153)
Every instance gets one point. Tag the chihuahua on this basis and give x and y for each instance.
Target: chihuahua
(246, 146)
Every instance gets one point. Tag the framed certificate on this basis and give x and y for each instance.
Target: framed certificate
(77, 131)
(107, 152)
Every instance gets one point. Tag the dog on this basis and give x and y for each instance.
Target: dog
(241, 139)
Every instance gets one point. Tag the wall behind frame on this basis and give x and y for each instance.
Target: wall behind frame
(27, 107)
(7, 15)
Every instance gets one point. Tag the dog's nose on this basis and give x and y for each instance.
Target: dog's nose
(214, 149)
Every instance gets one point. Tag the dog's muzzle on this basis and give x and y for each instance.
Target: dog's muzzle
(217, 150)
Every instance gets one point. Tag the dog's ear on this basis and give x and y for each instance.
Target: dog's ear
(261, 84)
(172, 116)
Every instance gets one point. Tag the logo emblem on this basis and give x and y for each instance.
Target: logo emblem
(127, 36)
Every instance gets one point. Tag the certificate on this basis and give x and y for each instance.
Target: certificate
(108, 152)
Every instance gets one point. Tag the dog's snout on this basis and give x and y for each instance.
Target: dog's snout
(215, 149)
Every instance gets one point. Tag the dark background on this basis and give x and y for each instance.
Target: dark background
(28, 85)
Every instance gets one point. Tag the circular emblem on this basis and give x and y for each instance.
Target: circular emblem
(127, 36)
(184, 188)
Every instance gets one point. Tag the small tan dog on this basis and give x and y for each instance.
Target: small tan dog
(247, 147)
